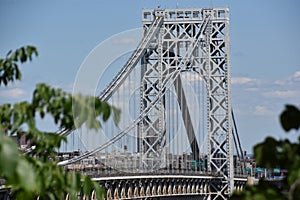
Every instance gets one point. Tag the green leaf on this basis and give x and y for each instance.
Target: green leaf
(15, 55)
(9, 53)
(100, 192)
(36, 173)
(87, 186)
(26, 175)
(116, 114)
(18, 74)
(290, 118)
(33, 50)
(8, 156)
(23, 56)
(264, 152)
(106, 111)
(9, 69)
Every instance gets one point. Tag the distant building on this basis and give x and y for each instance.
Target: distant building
(21, 141)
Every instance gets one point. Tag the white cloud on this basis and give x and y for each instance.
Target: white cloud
(14, 93)
(282, 94)
(280, 82)
(262, 111)
(295, 76)
(289, 80)
(243, 80)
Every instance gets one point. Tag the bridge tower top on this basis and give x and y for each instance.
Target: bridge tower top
(186, 14)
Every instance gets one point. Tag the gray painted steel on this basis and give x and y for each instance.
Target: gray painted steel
(209, 56)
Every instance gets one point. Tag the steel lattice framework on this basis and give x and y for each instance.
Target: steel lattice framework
(189, 39)
(176, 41)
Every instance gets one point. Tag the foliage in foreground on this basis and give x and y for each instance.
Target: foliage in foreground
(35, 173)
(278, 153)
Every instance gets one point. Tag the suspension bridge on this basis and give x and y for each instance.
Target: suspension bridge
(177, 135)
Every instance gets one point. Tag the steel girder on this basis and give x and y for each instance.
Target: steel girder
(211, 60)
(217, 77)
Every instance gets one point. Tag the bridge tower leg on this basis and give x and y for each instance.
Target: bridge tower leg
(217, 76)
(152, 131)
(210, 58)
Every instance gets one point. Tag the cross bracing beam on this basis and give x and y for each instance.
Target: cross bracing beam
(181, 27)
(217, 76)
(157, 68)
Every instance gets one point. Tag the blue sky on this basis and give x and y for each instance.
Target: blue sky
(264, 39)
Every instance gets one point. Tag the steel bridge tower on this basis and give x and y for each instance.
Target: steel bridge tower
(188, 40)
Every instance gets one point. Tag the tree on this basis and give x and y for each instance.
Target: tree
(278, 153)
(36, 174)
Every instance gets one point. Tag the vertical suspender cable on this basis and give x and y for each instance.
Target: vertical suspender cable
(238, 142)
(169, 114)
